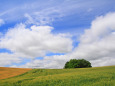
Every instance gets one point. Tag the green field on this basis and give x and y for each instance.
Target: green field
(97, 76)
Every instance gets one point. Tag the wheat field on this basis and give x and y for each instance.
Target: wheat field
(6, 72)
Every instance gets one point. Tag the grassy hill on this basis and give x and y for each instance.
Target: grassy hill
(97, 76)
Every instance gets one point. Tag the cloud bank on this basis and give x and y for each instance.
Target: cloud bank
(97, 44)
(35, 42)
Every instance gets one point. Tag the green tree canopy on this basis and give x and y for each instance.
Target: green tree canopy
(77, 63)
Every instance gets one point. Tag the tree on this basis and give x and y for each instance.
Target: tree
(77, 63)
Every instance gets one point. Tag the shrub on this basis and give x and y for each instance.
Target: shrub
(80, 63)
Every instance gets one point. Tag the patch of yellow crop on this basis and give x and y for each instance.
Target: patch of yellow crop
(6, 72)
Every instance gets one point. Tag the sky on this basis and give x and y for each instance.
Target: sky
(48, 33)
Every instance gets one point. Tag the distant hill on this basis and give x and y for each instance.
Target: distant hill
(96, 76)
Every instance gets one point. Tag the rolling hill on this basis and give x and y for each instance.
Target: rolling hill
(97, 76)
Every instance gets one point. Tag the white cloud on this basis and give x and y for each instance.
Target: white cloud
(97, 45)
(44, 13)
(43, 17)
(1, 22)
(35, 42)
(41, 14)
(56, 61)
(8, 59)
(98, 41)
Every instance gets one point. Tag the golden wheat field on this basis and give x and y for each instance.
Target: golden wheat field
(96, 76)
(6, 72)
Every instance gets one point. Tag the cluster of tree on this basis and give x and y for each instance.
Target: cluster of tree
(77, 63)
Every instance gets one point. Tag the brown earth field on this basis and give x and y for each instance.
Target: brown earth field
(6, 72)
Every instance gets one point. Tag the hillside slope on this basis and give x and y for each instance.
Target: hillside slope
(6, 72)
(98, 76)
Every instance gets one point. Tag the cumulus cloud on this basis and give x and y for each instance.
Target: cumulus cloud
(50, 62)
(8, 59)
(36, 41)
(97, 45)
(1, 22)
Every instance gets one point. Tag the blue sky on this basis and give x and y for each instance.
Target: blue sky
(64, 23)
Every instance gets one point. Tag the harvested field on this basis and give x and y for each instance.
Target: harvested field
(6, 72)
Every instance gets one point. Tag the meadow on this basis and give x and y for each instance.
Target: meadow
(96, 76)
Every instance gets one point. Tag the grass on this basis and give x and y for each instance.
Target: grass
(97, 76)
